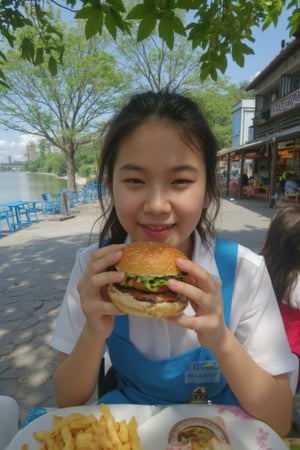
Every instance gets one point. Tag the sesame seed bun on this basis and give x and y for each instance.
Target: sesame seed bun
(149, 258)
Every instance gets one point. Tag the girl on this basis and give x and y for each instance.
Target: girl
(159, 165)
(282, 255)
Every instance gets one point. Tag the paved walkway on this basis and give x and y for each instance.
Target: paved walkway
(34, 268)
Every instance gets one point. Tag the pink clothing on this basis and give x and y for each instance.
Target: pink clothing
(291, 320)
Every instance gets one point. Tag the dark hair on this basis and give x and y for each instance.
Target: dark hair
(184, 114)
(281, 251)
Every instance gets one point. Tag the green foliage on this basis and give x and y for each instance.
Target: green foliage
(65, 110)
(219, 28)
(45, 42)
(85, 161)
(48, 163)
(216, 101)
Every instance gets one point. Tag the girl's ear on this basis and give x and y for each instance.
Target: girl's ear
(109, 189)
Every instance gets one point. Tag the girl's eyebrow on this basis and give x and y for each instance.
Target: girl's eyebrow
(180, 168)
(184, 168)
(131, 166)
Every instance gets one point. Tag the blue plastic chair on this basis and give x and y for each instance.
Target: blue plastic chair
(5, 215)
(50, 205)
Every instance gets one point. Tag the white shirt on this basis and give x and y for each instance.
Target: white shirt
(255, 317)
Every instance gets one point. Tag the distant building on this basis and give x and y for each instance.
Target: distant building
(32, 151)
(275, 145)
(242, 121)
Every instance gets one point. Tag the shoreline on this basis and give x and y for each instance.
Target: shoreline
(80, 181)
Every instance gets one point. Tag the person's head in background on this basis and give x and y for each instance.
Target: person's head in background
(172, 117)
(281, 250)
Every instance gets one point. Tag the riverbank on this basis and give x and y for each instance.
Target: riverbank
(80, 181)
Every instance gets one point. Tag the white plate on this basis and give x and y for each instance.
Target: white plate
(245, 433)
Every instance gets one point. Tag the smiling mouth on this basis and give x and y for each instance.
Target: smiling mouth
(158, 227)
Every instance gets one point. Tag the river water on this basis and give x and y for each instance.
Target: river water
(16, 186)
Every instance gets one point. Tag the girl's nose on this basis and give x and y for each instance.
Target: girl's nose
(157, 203)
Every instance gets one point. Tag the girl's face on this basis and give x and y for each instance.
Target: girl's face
(159, 186)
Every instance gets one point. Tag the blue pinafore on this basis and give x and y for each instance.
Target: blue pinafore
(193, 376)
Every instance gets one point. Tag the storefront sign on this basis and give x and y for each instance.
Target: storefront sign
(286, 144)
(285, 154)
(285, 103)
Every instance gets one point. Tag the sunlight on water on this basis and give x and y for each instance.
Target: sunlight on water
(16, 186)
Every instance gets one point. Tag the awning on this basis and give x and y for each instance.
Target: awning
(259, 144)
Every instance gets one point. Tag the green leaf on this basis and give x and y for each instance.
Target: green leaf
(166, 32)
(94, 23)
(84, 13)
(146, 27)
(189, 4)
(27, 49)
(137, 12)
(52, 66)
(117, 5)
(221, 62)
(8, 36)
(246, 49)
(178, 26)
(39, 57)
(117, 18)
(3, 56)
(110, 24)
(237, 54)
(3, 82)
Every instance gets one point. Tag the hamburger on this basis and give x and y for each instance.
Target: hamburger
(144, 292)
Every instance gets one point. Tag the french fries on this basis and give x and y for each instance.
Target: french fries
(79, 432)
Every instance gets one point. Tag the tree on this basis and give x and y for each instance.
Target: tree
(151, 64)
(219, 27)
(67, 109)
(216, 101)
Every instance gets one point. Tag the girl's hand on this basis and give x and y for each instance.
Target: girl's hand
(204, 293)
(98, 310)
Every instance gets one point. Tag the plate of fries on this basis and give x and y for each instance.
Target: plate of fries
(99, 427)
(138, 427)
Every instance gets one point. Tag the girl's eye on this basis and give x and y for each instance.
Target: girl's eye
(133, 181)
(182, 181)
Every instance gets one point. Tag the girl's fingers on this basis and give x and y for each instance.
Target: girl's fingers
(103, 251)
(104, 278)
(101, 260)
(191, 322)
(197, 275)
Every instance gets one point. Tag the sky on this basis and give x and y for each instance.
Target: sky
(266, 47)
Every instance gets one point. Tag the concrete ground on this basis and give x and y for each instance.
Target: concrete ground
(35, 264)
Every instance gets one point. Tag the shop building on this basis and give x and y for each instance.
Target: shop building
(273, 146)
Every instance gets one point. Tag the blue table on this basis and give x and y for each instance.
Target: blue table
(5, 215)
(20, 209)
